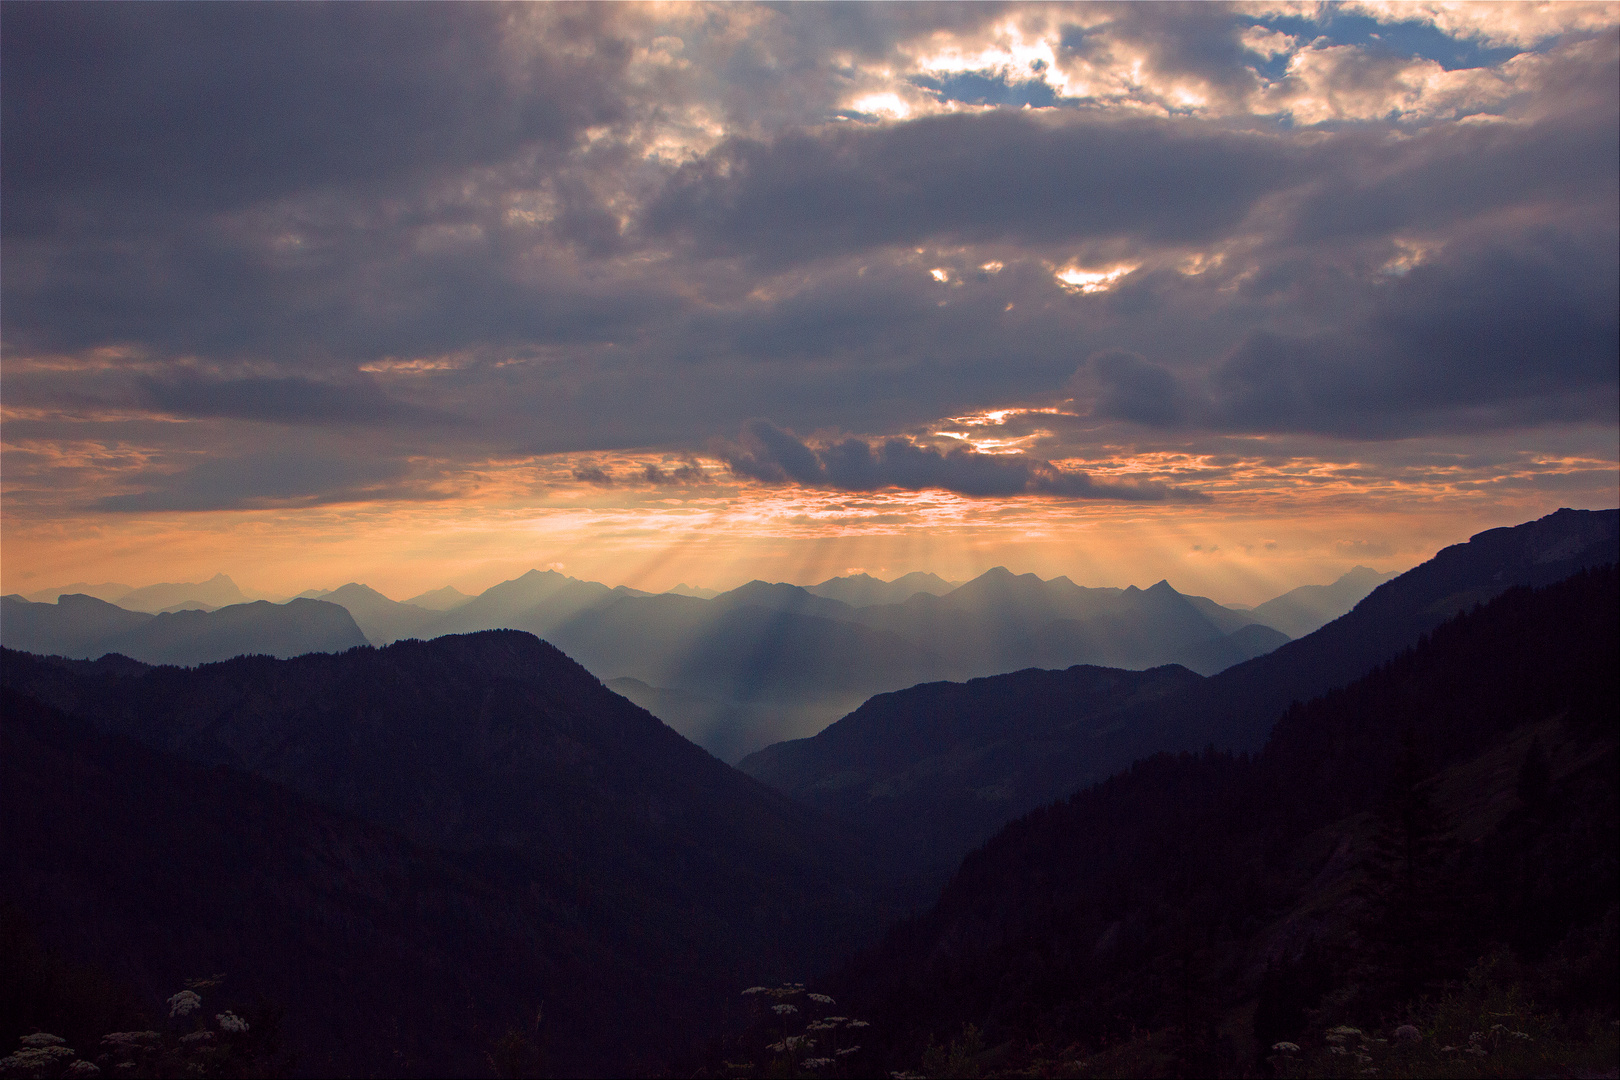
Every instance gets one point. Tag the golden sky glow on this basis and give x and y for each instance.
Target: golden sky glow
(1238, 296)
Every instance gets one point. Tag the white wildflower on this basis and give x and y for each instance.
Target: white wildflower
(857, 1024)
(34, 1059)
(1520, 1034)
(1476, 1051)
(821, 1025)
(822, 998)
(197, 1037)
(1337, 1050)
(1498, 1027)
(847, 1051)
(1286, 1047)
(784, 1009)
(40, 1038)
(129, 1040)
(184, 1003)
(230, 1022)
(777, 1048)
(756, 990)
(816, 1063)
(1365, 1059)
(835, 1019)
(82, 1069)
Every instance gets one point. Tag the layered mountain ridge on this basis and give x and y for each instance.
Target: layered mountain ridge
(735, 671)
(569, 810)
(1014, 737)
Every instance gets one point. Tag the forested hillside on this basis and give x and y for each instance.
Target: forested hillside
(1457, 802)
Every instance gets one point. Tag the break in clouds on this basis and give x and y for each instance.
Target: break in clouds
(809, 245)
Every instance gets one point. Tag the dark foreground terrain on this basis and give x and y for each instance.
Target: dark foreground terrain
(468, 856)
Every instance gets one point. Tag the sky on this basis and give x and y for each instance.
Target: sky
(1240, 296)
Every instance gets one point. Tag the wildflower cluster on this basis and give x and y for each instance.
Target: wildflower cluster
(1482, 1028)
(200, 1051)
(806, 1038)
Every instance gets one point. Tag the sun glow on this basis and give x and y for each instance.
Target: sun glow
(1077, 280)
(889, 105)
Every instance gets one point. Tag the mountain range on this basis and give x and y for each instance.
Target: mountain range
(475, 800)
(405, 851)
(735, 671)
(936, 769)
(1430, 845)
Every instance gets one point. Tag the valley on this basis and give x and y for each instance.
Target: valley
(477, 817)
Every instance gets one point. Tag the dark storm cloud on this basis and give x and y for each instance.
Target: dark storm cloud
(220, 105)
(999, 176)
(593, 474)
(1486, 338)
(271, 479)
(308, 200)
(767, 452)
(285, 401)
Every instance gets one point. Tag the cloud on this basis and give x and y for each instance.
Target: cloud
(997, 176)
(768, 453)
(285, 401)
(216, 108)
(1486, 337)
(276, 479)
(634, 228)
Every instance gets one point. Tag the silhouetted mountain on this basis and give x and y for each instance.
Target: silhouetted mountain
(109, 591)
(218, 591)
(782, 597)
(1300, 611)
(1002, 621)
(683, 589)
(443, 599)
(537, 602)
(569, 804)
(765, 662)
(1233, 709)
(84, 627)
(864, 590)
(387, 957)
(73, 626)
(382, 620)
(1389, 835)
(937, 769)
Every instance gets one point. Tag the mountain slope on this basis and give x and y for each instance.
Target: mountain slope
(1233, 709)
(72, 626)
(382, 620)
(83, 627)
(937, 769)
(387, 957)
(864, 590)
(1300, 611)
(495, 747)
(441, 599)
(1185, 892)
(218, 591)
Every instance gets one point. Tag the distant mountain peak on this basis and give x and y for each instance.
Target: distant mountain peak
(1162, 587)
